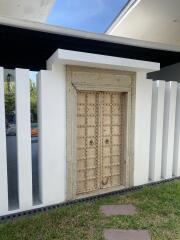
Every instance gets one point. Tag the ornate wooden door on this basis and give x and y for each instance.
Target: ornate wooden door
(100, 140)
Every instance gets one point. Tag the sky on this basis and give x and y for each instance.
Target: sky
(87, 15)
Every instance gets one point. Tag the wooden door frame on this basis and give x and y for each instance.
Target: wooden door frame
(97, 80)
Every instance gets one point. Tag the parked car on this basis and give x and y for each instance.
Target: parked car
(11, 130)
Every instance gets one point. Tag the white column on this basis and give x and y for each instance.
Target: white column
(142, 128)
(168, 129)
(3, 157)
(176, 162)
(157, 117)
(23, 129)
(52, 137)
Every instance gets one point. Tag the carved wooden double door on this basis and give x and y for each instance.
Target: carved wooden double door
(100, 140)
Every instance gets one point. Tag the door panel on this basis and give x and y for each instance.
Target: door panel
(100, 140)
(87, 141)
(111, 138)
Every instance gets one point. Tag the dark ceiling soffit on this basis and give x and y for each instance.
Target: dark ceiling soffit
(170, 73)
(30, 49)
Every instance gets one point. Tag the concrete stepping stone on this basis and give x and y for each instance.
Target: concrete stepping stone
(118, 210)
(114, 234)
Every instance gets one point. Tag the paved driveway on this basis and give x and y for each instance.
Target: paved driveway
(12, 171)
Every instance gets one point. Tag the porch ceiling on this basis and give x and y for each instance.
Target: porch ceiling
(149, 20)
(34, 10)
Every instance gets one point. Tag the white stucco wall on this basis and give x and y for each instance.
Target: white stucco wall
(57, 64)
(52, 126)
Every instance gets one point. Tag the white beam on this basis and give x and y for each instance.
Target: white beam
(23, 129)
(69, 57)
(3, 156)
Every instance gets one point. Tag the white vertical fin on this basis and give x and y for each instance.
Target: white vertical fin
(157, 116)
(142, 128)
(168, 129)
(176, 164)
(51, 121)
(23, 129)
(3, 156)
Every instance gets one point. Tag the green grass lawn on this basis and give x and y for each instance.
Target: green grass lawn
(158, 211)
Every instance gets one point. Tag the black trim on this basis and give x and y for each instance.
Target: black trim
(87, 199)
(31, 49)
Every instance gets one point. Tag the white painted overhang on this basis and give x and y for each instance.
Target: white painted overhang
(68, 57)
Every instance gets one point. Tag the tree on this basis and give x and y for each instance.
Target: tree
(33, 94)
(9, 89)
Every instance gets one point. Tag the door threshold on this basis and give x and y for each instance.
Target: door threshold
(99, 192)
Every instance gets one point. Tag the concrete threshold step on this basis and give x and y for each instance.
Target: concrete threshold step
(114, 234)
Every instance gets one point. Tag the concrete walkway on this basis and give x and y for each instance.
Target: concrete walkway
(118, 210)
(114, 234)
(120, 234)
